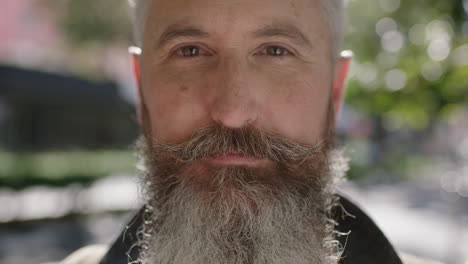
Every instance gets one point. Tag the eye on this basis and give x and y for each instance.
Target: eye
(190, 51)
(275, 51)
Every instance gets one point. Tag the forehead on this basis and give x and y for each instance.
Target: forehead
(228, 17)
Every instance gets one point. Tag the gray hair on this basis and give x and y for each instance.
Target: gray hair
(333, 12)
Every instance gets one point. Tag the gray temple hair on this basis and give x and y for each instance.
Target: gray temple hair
(333, 12)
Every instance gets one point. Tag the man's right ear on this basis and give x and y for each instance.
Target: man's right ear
(135, 53)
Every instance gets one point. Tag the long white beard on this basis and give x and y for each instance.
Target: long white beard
(239, 227)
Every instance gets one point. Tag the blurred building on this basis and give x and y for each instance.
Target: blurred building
(29, 34)
(45, 110)
(42, 104)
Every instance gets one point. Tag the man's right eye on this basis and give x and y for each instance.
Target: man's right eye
(188, 51)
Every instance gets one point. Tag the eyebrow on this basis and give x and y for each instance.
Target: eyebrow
(285, 30)
(178, 30)
(277, 29)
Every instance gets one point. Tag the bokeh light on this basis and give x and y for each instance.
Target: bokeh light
(384, 25)
(392, 41)
(417, 34)
(432, 71)
(395, 79)
(389, 6)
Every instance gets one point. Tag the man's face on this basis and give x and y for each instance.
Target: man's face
(237, 63)
(236, 114)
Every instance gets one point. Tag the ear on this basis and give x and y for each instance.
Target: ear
(136, 72)
(341, 71)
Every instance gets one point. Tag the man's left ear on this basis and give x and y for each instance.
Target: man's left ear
(341, 71)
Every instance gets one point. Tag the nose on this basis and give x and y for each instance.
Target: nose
(235, 105)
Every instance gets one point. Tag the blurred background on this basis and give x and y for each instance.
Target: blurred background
(67, 124)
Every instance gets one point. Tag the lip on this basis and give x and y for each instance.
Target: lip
(235, 159)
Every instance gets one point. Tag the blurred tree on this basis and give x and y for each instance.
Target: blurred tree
(410, 72)
(102, 21)
(404, 71)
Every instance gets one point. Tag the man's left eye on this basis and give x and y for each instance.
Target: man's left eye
(275, 51)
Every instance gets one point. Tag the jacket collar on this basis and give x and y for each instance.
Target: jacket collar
(365, 244)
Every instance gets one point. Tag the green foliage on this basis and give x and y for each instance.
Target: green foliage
(454, 88)
(405, 78)
(101, 21)
(19, 170)
(420, 101)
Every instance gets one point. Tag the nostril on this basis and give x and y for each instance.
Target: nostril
(233, 117)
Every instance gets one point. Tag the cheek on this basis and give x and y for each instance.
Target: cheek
(173, 105)
(298, 107)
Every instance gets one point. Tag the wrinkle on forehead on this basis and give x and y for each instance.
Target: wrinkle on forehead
(230, 10)
(293, 6)
(224, 19)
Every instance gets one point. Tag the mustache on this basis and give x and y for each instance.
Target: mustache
(250, 141)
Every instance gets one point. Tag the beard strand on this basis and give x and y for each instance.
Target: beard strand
(238, 215)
